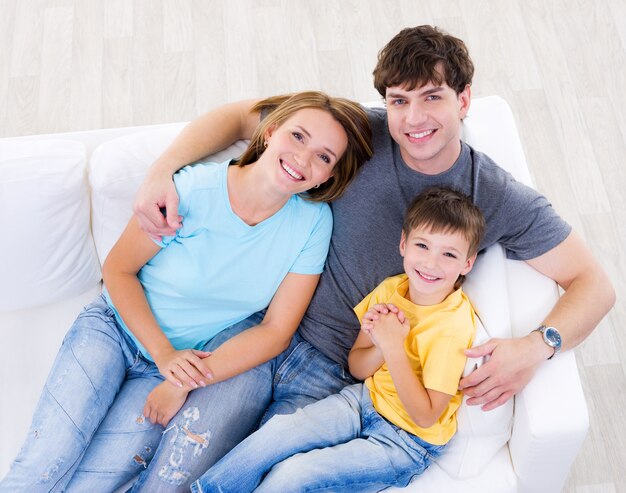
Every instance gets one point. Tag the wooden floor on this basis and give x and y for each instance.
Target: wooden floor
(561, 64)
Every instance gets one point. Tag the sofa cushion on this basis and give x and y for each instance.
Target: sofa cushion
(117, 169)
(49, 254)
(482, 434)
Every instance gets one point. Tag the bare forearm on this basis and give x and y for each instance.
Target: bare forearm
(583, 305)
(411, 392)
(206, 135)
(245, 351)
(130, 301)
(363, 362)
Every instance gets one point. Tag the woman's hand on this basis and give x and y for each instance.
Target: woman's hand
(185, 367)
(163, 403)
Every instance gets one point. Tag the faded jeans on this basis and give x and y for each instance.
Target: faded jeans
(88, 433)
(298, 376)
(339, 444)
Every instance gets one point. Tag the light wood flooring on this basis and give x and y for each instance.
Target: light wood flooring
(561, 64)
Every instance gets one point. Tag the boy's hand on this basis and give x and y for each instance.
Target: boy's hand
(373, 314)
(157, 192)
(185, 367)
(164, 402)
(389, 330)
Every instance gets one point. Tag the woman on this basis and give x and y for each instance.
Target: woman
(189, 311)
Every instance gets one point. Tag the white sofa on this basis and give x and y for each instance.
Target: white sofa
(64, 200)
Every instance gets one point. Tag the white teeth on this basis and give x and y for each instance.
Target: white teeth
(421, 134)
(428, 278)
(292, 171)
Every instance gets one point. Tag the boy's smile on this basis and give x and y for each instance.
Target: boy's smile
(433, 261)
(426, 124)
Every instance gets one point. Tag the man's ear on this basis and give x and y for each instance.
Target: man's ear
(464, 98)
(402, 244)
(469, 263)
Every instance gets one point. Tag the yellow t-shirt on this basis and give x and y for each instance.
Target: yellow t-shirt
(435, 344)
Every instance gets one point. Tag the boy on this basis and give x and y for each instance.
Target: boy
(415, 327)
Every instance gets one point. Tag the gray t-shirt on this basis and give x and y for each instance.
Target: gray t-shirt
(368, 223)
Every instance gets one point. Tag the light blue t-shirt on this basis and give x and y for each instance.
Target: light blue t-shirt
(218, 270)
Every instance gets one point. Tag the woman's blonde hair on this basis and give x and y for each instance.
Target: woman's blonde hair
(351, 116)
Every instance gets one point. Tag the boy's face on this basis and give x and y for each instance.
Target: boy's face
(433, 262)
(426, 124)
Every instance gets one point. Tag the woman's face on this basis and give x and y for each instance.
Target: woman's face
(302, 152)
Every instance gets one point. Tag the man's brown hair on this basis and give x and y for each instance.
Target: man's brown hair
(422, 54)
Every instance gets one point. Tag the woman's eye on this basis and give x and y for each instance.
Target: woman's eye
(325, 158)
(298, 136)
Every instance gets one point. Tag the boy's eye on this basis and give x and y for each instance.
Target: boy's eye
(451, 255)
(420, 245)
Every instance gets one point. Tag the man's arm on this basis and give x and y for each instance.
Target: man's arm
(205, 135)
(588, 296)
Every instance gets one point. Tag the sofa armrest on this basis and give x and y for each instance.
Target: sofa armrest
(550, 425)
(550, 418)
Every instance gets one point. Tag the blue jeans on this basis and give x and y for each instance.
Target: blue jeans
(338, 444)
(88, 432)
(298, 376)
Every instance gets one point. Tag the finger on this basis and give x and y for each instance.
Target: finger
(471, 382)
(401, 316)
(482, 350)
(172, 378)
(392, 308)
(188, 374)
(201, 367)
(503, 399)
(171, 210)
(201, 354)
(381, 308)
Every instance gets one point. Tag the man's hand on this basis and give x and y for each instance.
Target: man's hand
(511, 365)
(157, 192)
(164, 402)
(184, 367)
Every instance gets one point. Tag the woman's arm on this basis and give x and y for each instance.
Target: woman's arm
(131, 252)
(272, 336)
(205, 135)
(246, 350)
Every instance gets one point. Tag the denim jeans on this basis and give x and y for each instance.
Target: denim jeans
(88, 432)
(338, 444)
(298, 376)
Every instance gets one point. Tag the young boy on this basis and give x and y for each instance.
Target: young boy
(415, 327)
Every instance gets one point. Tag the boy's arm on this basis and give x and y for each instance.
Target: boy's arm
(364, 358)
(588, 296)
(205, 135)
(424, 406)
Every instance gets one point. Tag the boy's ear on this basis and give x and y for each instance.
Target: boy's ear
(402, 243)
(469, 263)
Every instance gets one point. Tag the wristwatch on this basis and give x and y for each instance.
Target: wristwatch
(551, 337)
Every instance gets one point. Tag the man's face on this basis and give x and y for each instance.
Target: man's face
(426, 124)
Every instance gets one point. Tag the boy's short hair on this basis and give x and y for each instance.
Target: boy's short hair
(422, 54)
(442, 209)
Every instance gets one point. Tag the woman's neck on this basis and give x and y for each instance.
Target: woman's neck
(251, 196)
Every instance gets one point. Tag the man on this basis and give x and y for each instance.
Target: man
(424, 76)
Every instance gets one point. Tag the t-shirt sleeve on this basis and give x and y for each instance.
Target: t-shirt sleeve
(533, 226)
(184, 182)
(313, 255)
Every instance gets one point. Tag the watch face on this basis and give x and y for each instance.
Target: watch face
(553, 337)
